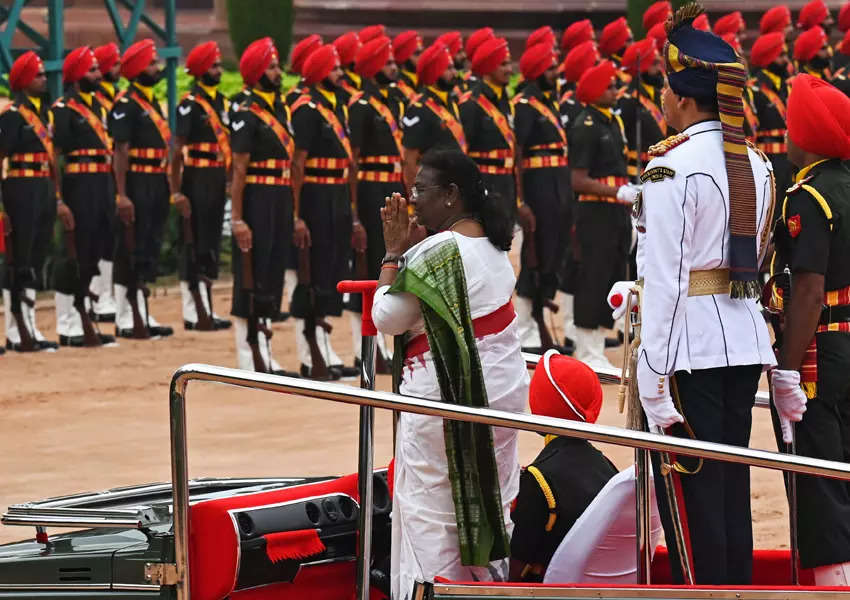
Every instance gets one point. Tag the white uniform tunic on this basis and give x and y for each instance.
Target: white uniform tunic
(683, 222)
(424, 541)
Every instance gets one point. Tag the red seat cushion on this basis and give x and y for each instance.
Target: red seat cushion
(214, 547)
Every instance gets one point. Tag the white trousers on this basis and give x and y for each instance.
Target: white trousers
(101, 286)
(529, 334)
(322, 339)
(124, 312)
(68, 320)
(244, 356)
(28, 314)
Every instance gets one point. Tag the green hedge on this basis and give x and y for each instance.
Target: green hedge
(253, 19)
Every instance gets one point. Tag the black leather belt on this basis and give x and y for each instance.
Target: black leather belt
(834, 314)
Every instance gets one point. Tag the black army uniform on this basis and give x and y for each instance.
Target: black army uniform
(602, 224)
(487, 116)
(106, 94)
(296, 92)
(349, 85)
(202, 121)
(137, 119)
(29, 201)
(320, 123)
(407, 83)
(375, 118)
(770, 96)
(568, 104)
(813, 236)
(79, 131)
(542, 144)
(643, 104)
(573, 472)
(260, 127)
(432, 121)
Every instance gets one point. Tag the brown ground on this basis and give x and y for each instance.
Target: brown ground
(82, 420)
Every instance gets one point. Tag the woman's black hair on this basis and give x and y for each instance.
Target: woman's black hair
(453, 166)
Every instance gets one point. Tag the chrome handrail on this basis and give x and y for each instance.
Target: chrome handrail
(351, 395)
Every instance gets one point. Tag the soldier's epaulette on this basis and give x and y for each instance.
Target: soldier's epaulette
(756, 149)
(799, 185)
(664, 146)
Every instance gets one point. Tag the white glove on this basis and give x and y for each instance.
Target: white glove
(660, 412)
(789, 398)
(628, 193)
(618, 296)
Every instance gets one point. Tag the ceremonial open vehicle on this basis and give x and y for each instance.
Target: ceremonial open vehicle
(329, 537)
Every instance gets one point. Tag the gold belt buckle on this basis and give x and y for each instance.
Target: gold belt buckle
(509, 162)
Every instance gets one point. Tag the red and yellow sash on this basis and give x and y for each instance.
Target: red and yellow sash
(546, 112)
(104, 100)
(217, 127)
(349, 89)
(449, 120)
(774, 99)
(566, 96)
(33, 120)
(387, 115)
(408, 91)
(279, 130)
(499, 119)
(160, 123)
(91, 119)
(656, 113)
(338, 129)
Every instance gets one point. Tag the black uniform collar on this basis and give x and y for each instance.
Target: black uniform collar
(320, 98)
(197, 90)
(427, 91)
(370, 88)
(764, 78)
(601, 115)
(262, 101)
(21, 99)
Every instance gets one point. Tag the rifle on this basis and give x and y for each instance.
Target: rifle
(205, 321)
(141, 330)
(320, 368)
(90, 334)
(27, 343)
(255, 326)
(538, 302)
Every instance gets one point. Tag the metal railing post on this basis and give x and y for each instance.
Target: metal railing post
(180, 483)
(365, 468)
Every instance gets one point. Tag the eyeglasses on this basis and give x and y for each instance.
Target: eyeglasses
(415, 191)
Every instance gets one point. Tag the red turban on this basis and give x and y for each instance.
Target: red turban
(137, 58)
(701, 23)
(476, 38)
(347, 46)
(767, 48)
(24, 70)
(656, 13)
(107, 56)
(489, 56)
(302, 50)
(732, 40)
(812, 14)
(731, 23)
(775, 19)
(819, 117)
(543, 35)
(372, 56)
(534, 61)
(809, 43)
(256, 59)
(658, 34)
(367, 34)
(451, 40)
(77, 64)
(433, 63)
(201, 58)
(579, 60)
(844, 46)
(844, 17)
(565, 388)
(614, 36)
(577, 33)
(648, 53)
(320, 63)
(405, 45)
(595, 81)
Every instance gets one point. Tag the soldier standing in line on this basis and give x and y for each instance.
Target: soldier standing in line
(375, 118)
(577, 33)
(262, 205)
(813, 55)
(142, 137)
(815, 14)
(656, 13)
(201, 176)
(544, 187)
(475, 39)
(770, 94)
(321, 184)
(578, 60)
(347, 46)
(407, 48)
(103, 309)
(433, 119)
(776, 19)
(453, 40)
(79, 132)
(811, 381)
(487, 116)
(603, 228)
(300, 52)
(613, 40)
(31, 200)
